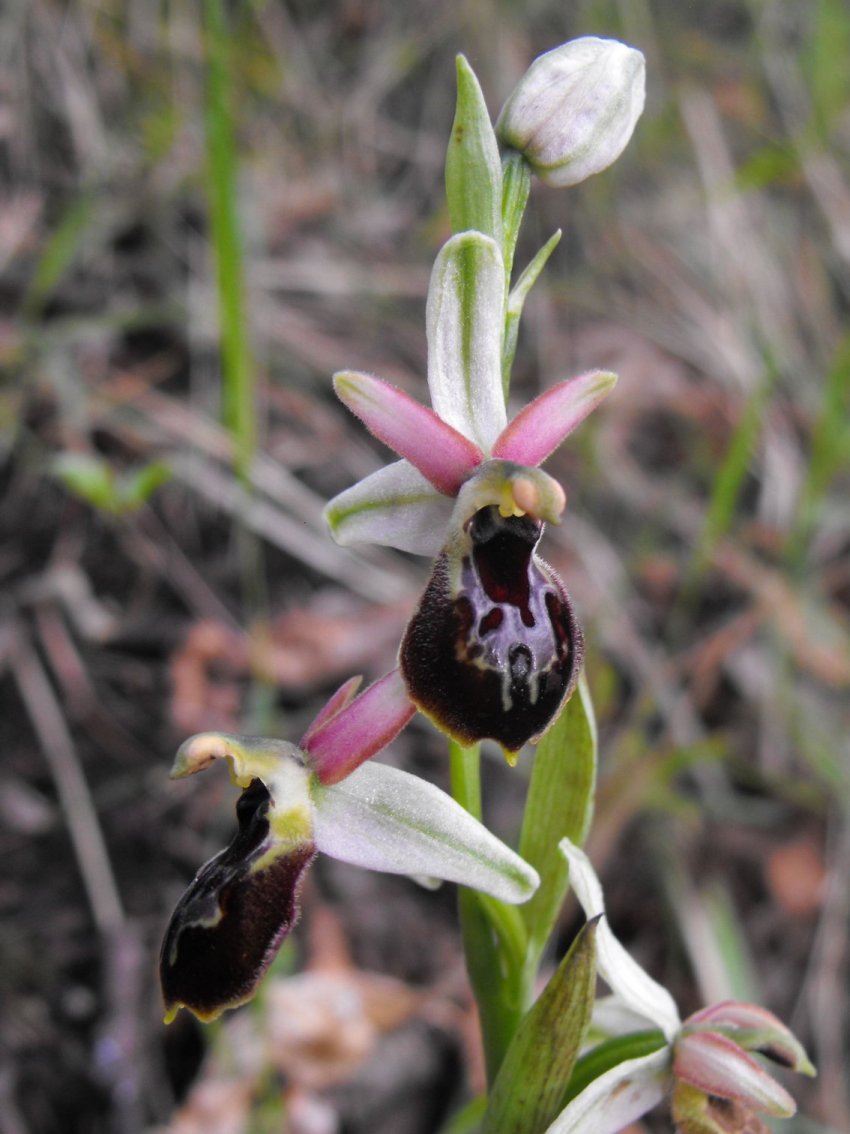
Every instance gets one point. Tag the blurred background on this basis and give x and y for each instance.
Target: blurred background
(205, 211)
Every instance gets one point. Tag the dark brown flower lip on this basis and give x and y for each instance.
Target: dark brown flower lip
(232, 919)
(494, 648)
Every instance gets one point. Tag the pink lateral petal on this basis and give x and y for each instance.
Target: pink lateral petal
(443, 455)
(360, 730)
(736, 1014)
(543, 424)
(715, 1064)
(335, 704)
(755, 1029)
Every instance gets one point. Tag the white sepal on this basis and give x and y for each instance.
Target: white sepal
(395, 506)
(385, 819)
(621, 972)
(618, 1097)
(465, 319)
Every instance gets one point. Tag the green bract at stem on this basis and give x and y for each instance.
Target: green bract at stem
(473, 167)
(515, 303)
(529, 1088)
(559, 805)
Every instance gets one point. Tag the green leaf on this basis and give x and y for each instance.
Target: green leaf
(729, 477)
(88, 477)
(473, 166)
(531, 1082)
(94, 480)
(559, 805)
(137, 487)
(823, 60)
(61, 250)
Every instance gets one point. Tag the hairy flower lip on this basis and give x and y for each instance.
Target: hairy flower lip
(493, 649)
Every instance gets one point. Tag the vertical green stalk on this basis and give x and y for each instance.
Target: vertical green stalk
(237, 363)
(516, 186)
(222, 172)
(465, 771)
(493, 934)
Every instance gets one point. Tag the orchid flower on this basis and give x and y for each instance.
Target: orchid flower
(295, 801)
(494, 648)
(717, 1087)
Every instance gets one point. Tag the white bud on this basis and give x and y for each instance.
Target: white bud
(573, 112)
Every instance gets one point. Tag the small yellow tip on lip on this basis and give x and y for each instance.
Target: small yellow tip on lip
(511, 757)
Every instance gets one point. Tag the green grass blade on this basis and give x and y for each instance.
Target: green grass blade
(222, 173)
(730, 477)
(60, 251)
(830, 449)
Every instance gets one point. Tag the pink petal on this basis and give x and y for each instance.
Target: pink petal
(754, 1029)
(360, 730)
(543, 424)
(735, 1014)
(343, 696)
(443, 455)
(715, 1064)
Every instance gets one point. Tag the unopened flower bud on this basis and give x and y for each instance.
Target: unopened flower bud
(573, 112)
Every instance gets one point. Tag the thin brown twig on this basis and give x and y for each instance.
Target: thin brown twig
(79, 810)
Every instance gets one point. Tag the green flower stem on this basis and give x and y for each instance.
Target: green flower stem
(493, 934)
(516, 186)
(465, 771)
(495, 993)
